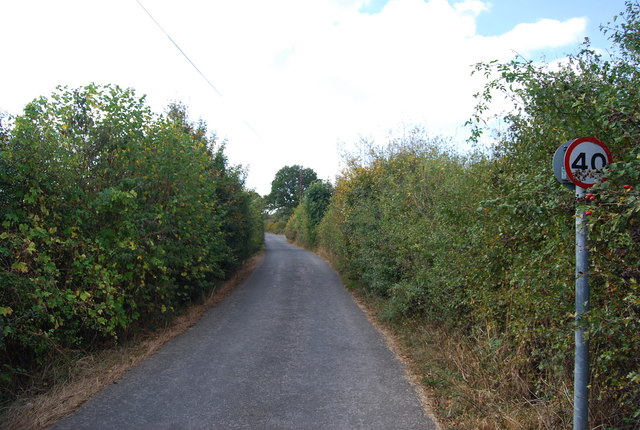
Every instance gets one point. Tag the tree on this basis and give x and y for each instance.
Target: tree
(288, 187)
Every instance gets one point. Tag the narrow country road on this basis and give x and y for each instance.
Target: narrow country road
(288, 349)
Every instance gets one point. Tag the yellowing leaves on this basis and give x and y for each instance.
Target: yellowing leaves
(109, 219)
(31, 248)
(20, 267)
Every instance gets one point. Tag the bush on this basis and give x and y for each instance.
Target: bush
(111, 216)
(303, 224)
(485, 244)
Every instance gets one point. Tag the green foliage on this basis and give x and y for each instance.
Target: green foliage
(297, 227)
(111, 216)
(276, 222)
(288, 187)
(400, 221)
(486, 243)
(303, 223)
(316, 198)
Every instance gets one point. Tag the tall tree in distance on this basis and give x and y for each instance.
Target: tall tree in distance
(288, 187)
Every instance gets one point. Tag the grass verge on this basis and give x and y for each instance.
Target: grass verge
(95, 371)
(467, 383)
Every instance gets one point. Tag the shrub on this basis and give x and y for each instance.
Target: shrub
(111, 216)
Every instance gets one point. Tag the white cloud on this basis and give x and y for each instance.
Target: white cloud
(546, 33)
(303, 74)
(474, 7)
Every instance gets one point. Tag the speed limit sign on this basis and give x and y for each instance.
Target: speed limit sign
(578, 165)
(584, 160)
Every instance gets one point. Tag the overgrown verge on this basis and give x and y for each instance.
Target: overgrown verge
(481, 246)
(114, 219)
(94, 371)
(470, 383)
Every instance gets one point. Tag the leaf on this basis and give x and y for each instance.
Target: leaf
(20, 267)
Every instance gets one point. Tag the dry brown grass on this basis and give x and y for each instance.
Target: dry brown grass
(96, 371)
(401, 353)
(464, 382)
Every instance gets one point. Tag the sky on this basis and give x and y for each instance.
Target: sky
(289, 81)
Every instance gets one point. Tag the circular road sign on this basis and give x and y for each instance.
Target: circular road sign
(584, 160)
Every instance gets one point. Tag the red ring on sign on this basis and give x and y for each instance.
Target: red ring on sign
(570, 149)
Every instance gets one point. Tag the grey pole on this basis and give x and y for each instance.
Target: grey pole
(581, 369)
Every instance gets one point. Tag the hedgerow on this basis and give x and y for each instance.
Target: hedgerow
(303, 223)
(112, 217)
(484, 243)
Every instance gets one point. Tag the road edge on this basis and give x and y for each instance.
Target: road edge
(97, 371)
(390, 340)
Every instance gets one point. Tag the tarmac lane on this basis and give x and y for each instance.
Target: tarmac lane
(288, 349)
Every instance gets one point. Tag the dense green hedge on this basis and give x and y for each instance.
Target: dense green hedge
(111, 216)
(485, 243)
(302, 225)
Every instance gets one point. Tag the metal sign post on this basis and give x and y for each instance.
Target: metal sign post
(578, 164)
(581, 365)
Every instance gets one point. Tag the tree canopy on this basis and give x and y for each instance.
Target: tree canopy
(288, 188)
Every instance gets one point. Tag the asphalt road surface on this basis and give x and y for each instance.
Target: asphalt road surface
(288, 349)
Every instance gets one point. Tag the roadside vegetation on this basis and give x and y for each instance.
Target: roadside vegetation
(114, 220)
(287, 192)
(470, 257)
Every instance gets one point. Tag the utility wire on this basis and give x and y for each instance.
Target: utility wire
(189, 60)
(179, 49)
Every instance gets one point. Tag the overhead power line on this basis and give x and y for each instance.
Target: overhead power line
(189, 60)
(179, 49)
